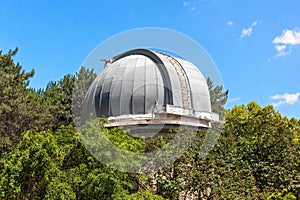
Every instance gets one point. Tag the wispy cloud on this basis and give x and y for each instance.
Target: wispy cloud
(285, 98)
(248, 31)
(284, 41)
(231, 100)
(191, 7)
(229, 23)
(284, 52)
(186, 3)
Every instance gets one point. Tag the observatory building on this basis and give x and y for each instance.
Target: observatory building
(141, 89)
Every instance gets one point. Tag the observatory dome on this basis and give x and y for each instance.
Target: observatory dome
(141, 87)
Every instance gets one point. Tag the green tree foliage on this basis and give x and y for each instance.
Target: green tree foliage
(145, 195)
(43, 156)
(257, 156)
(57, 98)
(265, 144)
(32, 170)
(218, 98)
(83, 79)
(45, 165)
(283, 195)
(13, 91)
(20, 108)
(64, 98)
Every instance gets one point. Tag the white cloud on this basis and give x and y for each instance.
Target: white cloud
(280, 47)
(287, 39)
(277, 104)
(248, 31)
(231, 100)
(229, 23)
(291, 37)
(285, 98)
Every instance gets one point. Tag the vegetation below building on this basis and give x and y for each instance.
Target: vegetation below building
(42, 157)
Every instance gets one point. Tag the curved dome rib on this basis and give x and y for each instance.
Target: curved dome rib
(168, 97)
(187, 100)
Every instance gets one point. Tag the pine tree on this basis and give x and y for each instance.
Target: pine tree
(218, 98)
(83, 80)
(20, 109)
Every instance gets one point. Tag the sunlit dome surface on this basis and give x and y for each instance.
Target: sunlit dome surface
(142, 87)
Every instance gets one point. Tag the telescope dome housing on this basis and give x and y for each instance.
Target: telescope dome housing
(142, 87)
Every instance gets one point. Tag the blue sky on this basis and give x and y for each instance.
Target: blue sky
(255, 44)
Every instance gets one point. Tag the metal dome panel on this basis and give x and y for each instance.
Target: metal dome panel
(138, 82)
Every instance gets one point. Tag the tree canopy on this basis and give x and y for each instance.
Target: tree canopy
(43, 157)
